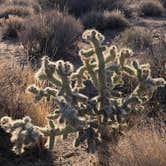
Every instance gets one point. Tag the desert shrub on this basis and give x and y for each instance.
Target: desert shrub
(52, 33)
(115, 20)
(11, 27)
(151, 8)
(105, 66)
(74, 7)
(27, 3)
(22, 2)
(14, 101)
(79, 8)
(5, 11)
(111, 5)
(47, 4)
(94, 19)
(62, 5)
(136, 38)
(105, 20)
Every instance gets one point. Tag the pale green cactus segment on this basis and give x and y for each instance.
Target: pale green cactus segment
(112, 53)
(123, 55)
(80, 77)
(130, 71)
(52, 133)
(90, 69)
(40, 93)
(48, 72)
(87, 53)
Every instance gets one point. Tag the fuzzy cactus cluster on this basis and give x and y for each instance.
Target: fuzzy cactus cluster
(23, 133)
(107, 68)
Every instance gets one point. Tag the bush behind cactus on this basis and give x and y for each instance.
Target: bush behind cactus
(105, 66)
(151, 8)
(53, 34)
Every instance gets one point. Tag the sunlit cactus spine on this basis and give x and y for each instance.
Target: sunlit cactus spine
(107, 68)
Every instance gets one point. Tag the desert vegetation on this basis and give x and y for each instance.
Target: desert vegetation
(82, 82)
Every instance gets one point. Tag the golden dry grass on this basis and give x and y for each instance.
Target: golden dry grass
(142, 146)
(11, 26)
(14, 99)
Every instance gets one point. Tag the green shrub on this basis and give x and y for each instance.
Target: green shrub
(12, 26)
(137, 38)
(151, 8)
(105, 66)
(51, 33)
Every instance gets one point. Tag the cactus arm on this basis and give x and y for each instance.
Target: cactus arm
(51, 135)
(54, 81)
(51, 141)
(112, 54)
(79, 76)
(129, 70)
(101, 70)
(90, 68)
(65, 87)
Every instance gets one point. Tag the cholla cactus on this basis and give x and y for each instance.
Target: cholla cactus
(23, 133)
(107, 68)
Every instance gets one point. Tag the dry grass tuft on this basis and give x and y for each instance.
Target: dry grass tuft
(12, 26)
(112, 5)
(142, 146)
(16, 10)
(27, 3)
(15, 101)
